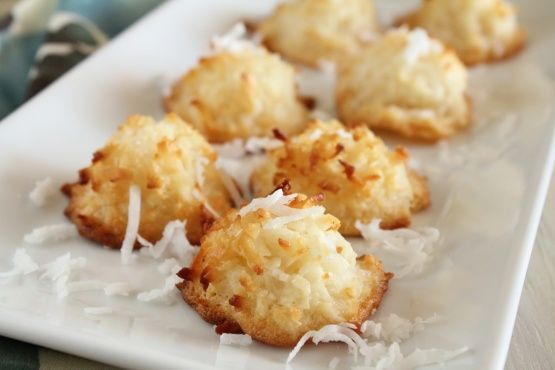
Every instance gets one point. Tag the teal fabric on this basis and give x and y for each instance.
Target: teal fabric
(34, 53)
(15, 355)
(28, 26)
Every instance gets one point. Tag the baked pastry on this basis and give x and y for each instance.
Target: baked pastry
(359, 176)
(278, 268)
(175, 169)
(479, 30)
(309, 31)
(239, 94)
(406, 83)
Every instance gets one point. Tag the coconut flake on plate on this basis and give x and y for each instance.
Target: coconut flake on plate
(119, 288)
(319, 84)
(410, 249)
(377, 355)
(133, 221)
(381, 357)
(100, 310)
(60, 271)
(51, 233)
(166, 294)
(333, 363)
(231, 187)
(394, 328)
(42, 192)
(228, 339)
(23, 264)
(202, 199)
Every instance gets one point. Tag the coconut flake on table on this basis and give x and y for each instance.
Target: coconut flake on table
(60, 270)
(394, 328)
(23, 264)
(51, 233)
(133, 222)
(410, 249)
(228, 339)
(42, 192)
(234, 41)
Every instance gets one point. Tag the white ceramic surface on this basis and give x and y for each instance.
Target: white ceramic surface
(488, 186)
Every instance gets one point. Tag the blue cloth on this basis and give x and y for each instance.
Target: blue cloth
(31, 26)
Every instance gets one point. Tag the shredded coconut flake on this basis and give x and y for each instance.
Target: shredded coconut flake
(42, 192)
(377, 356)
(394, 328)
(51, 233)
(232, 188)
(235, 339)
(419, 44)
(202, 199)
(330, 333)
(133, 221)
(102, 310)
(234, 41)
(23, 264)
(380, 357)
(410, 248)
(260, 144)
(333, 363)
(301, 214)
(167, 294)
(276, 203)
(59, 272)
(200, 166)
(173, 244)
(120, 288)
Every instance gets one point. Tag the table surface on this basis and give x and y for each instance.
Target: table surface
(533, 343)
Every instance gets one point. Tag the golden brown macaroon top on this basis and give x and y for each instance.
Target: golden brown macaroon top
(360, 177)
(173, 166)
(277, 269)
(479, 30)
(239, 94)
(406, 83)
(309, 31)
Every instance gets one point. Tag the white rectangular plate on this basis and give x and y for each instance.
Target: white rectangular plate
(488, 186)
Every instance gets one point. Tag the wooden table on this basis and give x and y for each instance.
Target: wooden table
(533, 343)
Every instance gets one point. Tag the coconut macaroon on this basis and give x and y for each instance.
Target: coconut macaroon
(278, 268)
(359, 176)
(175, 169)
(239, 94)
(479, 30)
(406, 83)
(309, 31)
